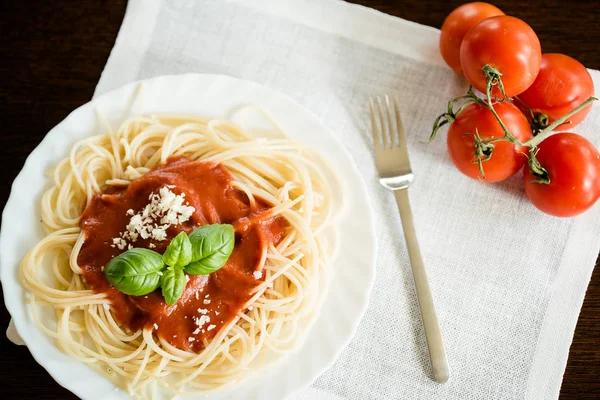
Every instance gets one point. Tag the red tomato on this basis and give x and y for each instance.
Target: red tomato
(562, 84)
(573, 166)
(507, 158)
(456, 26)
(507, 44)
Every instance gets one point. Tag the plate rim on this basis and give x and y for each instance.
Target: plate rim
(10, 293)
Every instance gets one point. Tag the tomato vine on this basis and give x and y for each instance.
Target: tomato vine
(484, 148)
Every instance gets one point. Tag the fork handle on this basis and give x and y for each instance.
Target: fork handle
(437, 353)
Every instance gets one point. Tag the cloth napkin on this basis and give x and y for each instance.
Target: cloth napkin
(508, 281)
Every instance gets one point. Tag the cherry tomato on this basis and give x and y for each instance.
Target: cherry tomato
(456, 26)
(508, 45)
(562, 84)
(507, 158)
(573, 167)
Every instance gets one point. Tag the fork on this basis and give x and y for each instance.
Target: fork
(395, 174)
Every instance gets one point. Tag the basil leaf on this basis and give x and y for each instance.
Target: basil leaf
(179, 251)
(173, 282)
(211, 247)
(135, 272)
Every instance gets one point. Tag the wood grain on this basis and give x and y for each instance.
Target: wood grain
(54, 52)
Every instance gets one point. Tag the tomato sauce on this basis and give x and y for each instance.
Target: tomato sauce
(218, 296)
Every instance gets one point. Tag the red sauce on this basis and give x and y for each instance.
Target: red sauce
(208, 189)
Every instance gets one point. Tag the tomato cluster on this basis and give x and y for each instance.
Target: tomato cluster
(524, 96)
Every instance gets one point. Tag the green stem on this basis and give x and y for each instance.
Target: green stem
(531, 114)
(537, 170)
(483, 151)
(450, 115)
(493, 78)
(537, 121)
(540, 122)
(540, 136)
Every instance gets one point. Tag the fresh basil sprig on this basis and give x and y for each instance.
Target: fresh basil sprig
(211, 247)
(138, 271)
(179, 251)
(172, 282)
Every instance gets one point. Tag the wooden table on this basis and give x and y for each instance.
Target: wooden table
(54, 52)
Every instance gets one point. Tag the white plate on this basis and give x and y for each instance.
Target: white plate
(213, 95)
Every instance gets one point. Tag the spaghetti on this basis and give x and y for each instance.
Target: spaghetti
(291, 177)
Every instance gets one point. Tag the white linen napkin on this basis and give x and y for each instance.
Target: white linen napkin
(508, 281)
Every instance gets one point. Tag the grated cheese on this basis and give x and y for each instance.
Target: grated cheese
(164, 210)
(202, 320)
(257, 274)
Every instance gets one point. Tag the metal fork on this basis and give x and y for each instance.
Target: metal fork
(395, 174)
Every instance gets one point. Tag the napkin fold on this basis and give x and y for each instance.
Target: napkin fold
(508, 281)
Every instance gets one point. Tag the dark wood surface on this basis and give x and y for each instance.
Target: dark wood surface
(52, 57)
